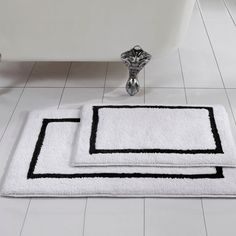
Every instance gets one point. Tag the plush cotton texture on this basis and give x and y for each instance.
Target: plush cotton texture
(53, 176)
(147, 135)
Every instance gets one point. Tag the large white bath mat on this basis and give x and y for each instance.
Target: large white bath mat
(40, 167)
(154, 135)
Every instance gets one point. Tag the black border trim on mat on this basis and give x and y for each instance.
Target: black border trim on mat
(95, 121)
(39, 144)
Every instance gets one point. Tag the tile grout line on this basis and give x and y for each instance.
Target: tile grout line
(107, 66)
(86, 203)
(186, 100)
(85, 211)
(28, 206)
(23, 88)
(226, 93)
(112, 87)
(67, 75)
(204, 217)
(229, 12)
(11, 115)
(104, 87)
(217, 64)
(26, 214)
(22, 92)
(7, 125)
(218, 68)
(144, 216)
(31, 72)
(144, 81)
(206, 88)
(182, 74)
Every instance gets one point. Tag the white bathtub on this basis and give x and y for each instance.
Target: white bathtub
(90, 30)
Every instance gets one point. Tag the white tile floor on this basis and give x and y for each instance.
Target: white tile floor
(202, 71)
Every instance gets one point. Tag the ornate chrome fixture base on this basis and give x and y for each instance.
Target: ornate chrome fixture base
(135, 59)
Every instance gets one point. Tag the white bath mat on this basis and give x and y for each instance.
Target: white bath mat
(148, 135)
(40, 167)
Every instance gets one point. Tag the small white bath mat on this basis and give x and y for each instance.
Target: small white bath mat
(40, 167)
(154, 135)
